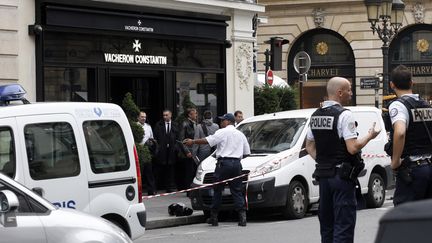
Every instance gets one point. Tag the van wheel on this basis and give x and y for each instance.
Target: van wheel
(376, 191)
(297, 201)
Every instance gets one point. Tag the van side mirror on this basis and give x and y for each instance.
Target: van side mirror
(8, 201)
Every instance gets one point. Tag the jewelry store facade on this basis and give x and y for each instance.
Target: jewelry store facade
(162, 52)
(339, 39)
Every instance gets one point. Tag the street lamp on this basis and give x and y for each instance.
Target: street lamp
(386, 18)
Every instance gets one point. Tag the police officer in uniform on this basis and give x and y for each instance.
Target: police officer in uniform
(412, 149)
(232, 146)
(331, 141)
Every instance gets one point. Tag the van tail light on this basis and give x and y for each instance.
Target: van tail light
(137, 164)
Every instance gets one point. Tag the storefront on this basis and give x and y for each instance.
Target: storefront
(100, 50)
(330, 56)
(338, 37)
(412, 49)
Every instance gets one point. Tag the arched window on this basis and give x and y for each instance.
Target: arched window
(412, 47)
(331, 55)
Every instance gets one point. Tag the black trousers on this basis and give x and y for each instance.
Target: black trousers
(148, 178)
(337, 210)
(225, 169)
(420, 188)
(165, 176)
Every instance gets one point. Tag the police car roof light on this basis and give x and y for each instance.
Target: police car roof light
(12, 92)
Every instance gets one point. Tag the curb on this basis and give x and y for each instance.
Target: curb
(174, 221)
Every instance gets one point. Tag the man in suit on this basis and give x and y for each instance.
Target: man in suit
(166, 133)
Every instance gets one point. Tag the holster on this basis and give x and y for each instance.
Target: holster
(403, 172)
(351, 169)
(324, 171)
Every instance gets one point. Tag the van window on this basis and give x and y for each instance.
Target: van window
(365, 120)
(51, 150)
(7, 152)
(106, 146)
(273, 136)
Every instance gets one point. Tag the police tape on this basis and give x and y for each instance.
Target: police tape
(198, 187)
(375, 155)
(246, 174)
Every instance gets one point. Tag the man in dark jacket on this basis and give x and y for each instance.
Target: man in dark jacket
(166, 133)
(189, 162)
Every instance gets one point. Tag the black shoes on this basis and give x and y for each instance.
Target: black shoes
(213, 220)
(242, 218)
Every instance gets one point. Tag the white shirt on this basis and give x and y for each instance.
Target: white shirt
(346, 123)
(398, 111)
(230, 142)
(166, 126)
(148, 132)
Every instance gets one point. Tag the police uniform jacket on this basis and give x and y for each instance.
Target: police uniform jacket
(413, 111)
(330, 126)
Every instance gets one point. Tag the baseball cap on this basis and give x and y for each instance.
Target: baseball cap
(227, 116)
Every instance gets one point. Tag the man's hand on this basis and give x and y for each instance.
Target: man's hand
(395, 163)
(188, 142)
(372, 132)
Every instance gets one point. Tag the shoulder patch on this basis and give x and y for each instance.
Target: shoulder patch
(393, 112)
(351, 126)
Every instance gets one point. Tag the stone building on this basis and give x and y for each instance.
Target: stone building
(339, 39)
(161, 51)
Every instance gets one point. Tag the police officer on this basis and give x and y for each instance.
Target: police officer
(232, 146)
(332, 140)
(410, 115)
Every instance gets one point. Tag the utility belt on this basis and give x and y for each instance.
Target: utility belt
(226, 160)
(403, 172)
(417, 160)
(345, 170)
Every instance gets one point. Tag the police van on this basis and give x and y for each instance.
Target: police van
(76, 155)
(280, 170)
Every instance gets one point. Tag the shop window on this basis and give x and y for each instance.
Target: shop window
(106, 146)
(199, 55)
(423, 87)
(51, 150)
(69, 84)
(413, 46)
(7, 152)
(331, 56)
(200, 88)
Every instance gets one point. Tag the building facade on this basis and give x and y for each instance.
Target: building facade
(340, 42)
(162, 52)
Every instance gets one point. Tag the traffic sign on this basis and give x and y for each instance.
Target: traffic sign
(270, 77)
(302, 62)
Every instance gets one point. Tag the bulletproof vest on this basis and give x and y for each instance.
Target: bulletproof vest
(330, 148)
(417, 141)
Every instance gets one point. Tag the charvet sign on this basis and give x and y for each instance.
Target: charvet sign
(328, 72)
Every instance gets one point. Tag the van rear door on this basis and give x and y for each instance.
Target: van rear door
(111, 168)
(53, 154)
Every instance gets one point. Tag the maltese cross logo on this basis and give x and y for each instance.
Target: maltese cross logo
(139, 22)
(136, 46)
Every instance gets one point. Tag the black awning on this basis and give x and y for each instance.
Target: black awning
(139, 23)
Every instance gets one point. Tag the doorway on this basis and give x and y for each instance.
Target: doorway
(147, 90)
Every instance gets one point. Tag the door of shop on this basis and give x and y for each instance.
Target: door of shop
(147, 89)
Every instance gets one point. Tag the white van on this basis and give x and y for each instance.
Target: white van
(281, 170)
(76, 155)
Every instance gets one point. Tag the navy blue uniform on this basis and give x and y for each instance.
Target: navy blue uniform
(337, 204)
(416, 155)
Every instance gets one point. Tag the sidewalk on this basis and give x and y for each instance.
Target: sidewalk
(157, 212)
